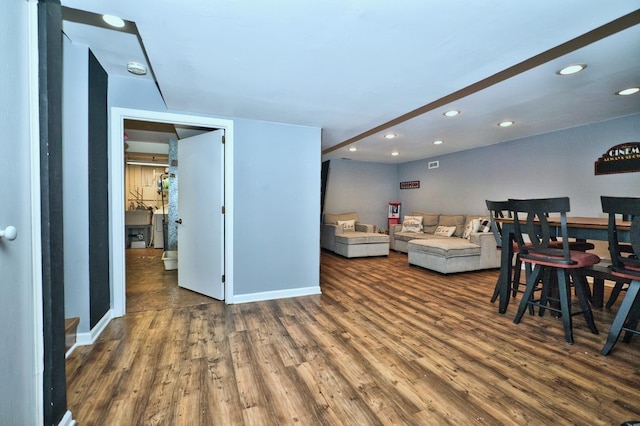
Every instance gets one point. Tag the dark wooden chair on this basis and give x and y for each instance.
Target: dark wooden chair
(500, 210)
(624, 266)
(555, 266)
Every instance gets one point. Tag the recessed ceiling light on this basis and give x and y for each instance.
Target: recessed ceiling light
(452, 113)
(571, 69)
(353, 149)
(390, 136)
(395, 153)
(438, 142)
(136, 68)
(506, 123)
(629, 91)
(114, 21)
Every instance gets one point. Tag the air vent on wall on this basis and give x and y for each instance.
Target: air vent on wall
(434, 164)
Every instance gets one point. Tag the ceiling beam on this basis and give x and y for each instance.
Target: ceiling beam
(579, 42)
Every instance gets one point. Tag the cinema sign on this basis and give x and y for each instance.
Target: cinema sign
(623, 158)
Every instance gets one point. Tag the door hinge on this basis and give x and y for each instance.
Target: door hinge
(224, 139)
(223, 278)
(223, 210)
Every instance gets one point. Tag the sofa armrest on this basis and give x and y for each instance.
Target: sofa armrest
(327, 235)
(364, 227)
(392, 230)
(489, 253)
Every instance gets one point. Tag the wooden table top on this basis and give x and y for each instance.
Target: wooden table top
(581, 222)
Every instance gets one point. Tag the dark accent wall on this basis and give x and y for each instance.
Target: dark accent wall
(99, 293)
(50, 95)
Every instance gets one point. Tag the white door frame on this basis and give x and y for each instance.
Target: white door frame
(116, 194)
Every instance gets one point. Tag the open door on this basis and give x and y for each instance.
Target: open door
(201, 219)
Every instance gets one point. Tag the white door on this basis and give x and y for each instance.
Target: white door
(200, 217)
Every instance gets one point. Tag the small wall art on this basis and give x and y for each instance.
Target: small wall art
(412, 184)
(622, 158)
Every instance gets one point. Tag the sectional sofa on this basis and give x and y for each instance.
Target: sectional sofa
(446, 243)
(343, 234)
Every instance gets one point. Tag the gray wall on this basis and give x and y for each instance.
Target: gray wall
(276, 197)
(21, 397)
(554, 164)
(549, 165)
(277, 200)
(365, 188)
(75, 134)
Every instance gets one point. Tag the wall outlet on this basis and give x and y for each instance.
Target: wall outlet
(434, 164)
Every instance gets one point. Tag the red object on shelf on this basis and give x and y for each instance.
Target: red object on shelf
(394, 214)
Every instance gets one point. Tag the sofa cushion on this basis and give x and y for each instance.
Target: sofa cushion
(473, 224)
(332, 219)
(347, 225)
(457, 220)
(412, 224)
(445, 231)
(361, 238)
(445, 247)
(429, 221)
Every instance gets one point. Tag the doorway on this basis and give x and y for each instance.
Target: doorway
(117, 198)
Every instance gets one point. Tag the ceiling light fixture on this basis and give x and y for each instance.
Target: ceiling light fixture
(113, 20)
(452, 113)
(506, 123)
(136, 68)
(571, 69)
(438, 142)
(395, 153)
(353, 149)
(390, 136)
(629, 91)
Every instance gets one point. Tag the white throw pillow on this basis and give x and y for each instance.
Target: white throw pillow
(412, 224)
(347, 225)
(445, 231)
(472, 226)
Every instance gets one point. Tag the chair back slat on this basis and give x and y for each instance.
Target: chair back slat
(531, 222)
(623, 208)
(497, 210)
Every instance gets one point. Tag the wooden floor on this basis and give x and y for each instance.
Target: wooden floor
(385, 344)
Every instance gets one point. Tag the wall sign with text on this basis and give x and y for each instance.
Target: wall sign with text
(623, 158)
(412, 184)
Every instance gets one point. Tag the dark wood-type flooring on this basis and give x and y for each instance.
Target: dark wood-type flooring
(385, 344)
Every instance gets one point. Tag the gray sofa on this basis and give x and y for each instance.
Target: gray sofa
(360, 241)
(448, 254)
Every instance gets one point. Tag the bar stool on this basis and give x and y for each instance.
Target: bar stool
(498, 210)
(625, 267)
(555, 265)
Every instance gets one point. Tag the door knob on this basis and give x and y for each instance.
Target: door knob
(179, 221)
(10, 233)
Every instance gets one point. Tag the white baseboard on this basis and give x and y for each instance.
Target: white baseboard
(84, 339)
(277, 294)
(67, 420)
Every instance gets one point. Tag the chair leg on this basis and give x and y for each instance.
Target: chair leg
(618, 323)
(564, 291)
(581, 286)
(549, 285)
(615, 292)
(532, 279)
(516, 275)
(632, 321)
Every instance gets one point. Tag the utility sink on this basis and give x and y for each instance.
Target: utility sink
(137, 217)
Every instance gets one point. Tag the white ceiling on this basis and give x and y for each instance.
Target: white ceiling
(350, 67)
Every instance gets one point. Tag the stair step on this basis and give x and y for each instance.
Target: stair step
(70, 327)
